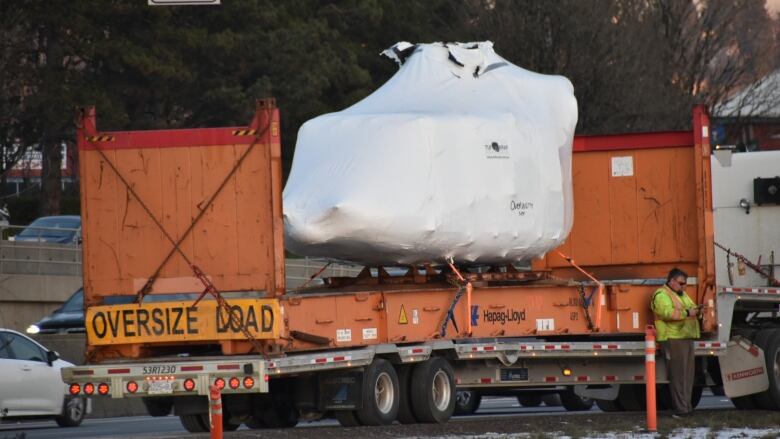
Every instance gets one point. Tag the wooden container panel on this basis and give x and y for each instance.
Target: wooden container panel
(174, 173)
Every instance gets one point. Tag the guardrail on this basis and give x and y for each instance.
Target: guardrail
(25, 250)
(300, 270)
(47, 258)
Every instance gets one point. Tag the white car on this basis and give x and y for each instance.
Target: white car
(31, 385)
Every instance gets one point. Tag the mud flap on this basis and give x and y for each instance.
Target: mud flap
(340, 391)
(743, 368)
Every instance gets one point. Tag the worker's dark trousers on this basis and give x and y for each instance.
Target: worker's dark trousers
(681, 369)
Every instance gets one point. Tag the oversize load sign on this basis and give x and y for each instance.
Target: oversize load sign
(180, 321)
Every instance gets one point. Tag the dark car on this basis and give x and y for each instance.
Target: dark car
(62, 229)
(70, 316)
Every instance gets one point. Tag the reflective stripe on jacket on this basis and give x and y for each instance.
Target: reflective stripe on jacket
(671, 310)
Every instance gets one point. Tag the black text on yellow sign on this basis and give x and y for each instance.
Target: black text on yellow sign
(180, 321)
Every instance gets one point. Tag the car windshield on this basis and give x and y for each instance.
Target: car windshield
(75, 303)
(49, 227)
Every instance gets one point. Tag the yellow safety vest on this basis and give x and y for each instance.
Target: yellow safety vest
(671, 315)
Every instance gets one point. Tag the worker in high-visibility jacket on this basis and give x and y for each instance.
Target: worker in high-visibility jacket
(677, 325)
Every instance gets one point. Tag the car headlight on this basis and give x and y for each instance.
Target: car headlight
(33, 329)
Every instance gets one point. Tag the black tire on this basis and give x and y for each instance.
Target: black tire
(530, 400)
(696, 395)
(227, 425)
(551, 400)
(769, 341)
(158, 407)
(744, 402)
(433, 391)
(194, 423)
(281, 412)
(575, 403)
(281, 416)
(381, 394)
(632, 397)
(717, 390)
(255, 423)
(663, 396)
(467, 402)
(609, 406)
(405, 410)
(73, 412)
(347, 418)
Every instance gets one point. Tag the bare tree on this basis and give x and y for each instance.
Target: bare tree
(716, 46)
(635, 64)
(14, 86)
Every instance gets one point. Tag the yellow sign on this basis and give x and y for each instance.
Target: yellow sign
(180, 321)
(402, 320)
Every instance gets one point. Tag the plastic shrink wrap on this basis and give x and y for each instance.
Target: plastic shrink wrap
(460, 155)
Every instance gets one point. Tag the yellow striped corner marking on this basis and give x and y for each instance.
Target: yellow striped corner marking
(101, 138)
(244, 132)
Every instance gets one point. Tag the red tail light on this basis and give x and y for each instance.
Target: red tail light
(74, 389)
(249, 382)
(234, 383)
(189, 384)
(132, 386)
(220, 383)
(266, 378)
(103, 389)
(89, 388)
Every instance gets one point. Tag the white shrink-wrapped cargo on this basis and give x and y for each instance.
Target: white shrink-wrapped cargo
(460, 155)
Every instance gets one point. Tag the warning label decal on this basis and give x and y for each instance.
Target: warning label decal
(402, 319)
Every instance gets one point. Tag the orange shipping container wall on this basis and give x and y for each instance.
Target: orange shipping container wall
(633, 212)
(237, 242)
(642, 206)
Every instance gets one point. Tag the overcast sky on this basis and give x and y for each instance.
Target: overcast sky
(773, 5)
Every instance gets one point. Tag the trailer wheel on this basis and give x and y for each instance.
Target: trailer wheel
(433, 391)
(280, 416)
(280, 411)
(609, 406)
(769, 341)
(663, 397)
(744, 402)
(193, 423)
(632, 397)
(347, 418)
(575, 403)
(380, 394)
(467, 402)
(405, 410)
(255, 423)
(696, 395)
(200, 423)
(551, 400)
(158, 407)
(532, 400)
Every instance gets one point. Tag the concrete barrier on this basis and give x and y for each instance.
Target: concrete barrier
(26, 298)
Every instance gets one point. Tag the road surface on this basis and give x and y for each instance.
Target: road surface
(148, 427)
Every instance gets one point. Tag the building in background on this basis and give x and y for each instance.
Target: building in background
(750, 119)
(25, 175)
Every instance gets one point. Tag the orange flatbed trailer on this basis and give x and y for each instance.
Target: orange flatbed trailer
(198, 212)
